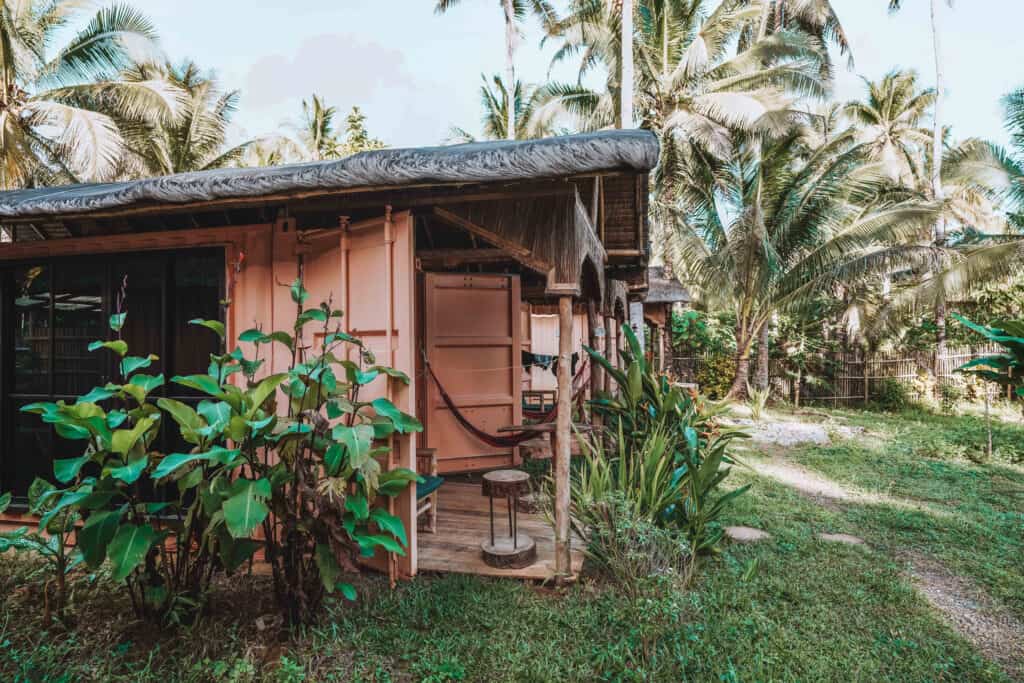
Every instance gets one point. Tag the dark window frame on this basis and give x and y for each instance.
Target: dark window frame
(107, 261)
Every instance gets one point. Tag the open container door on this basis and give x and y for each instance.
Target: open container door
(472, 340)
(369, 276)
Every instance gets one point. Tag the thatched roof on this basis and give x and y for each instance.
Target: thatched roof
(480, 162)
(662, 290)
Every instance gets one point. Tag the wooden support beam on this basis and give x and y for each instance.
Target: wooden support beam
(563, 439)
(450, 258)
(660, 336)
(521, 253)
(595, 321)
(612, 343)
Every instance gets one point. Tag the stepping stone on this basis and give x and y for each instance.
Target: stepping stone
(746, 534)
(842, 538)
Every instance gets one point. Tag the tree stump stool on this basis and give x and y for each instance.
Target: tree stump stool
(517, 550)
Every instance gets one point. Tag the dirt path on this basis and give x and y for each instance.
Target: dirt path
(979, 619)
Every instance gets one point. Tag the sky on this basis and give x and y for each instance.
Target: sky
(416, 74)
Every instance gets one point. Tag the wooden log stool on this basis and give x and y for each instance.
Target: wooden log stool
(517, 550)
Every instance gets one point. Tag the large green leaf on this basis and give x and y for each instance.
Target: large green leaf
(204, 383)
(117, 346)
(263, 391)
(215, 325)
(358, 505)
(173, 461)
(5, 502)
(128, 548)
(67, 469)
(403, 423)
(129, 364)
(124, 440)
(298, 292)
(330, 572)
(130, 472)
(357, 440)
(94, 537)
(389, 523)
(246, 508)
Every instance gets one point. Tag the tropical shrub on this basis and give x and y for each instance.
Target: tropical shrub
(951, 393)
(154, 543)
(312, 469)
(715, 375)
(631, 549)
(758, 402)
(890, 395)
(52, 542)
(307, 475)
(666, 456)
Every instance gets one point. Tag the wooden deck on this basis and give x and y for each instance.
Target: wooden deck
(462, 525)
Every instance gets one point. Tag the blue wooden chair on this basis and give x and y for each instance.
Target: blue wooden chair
(427, 490)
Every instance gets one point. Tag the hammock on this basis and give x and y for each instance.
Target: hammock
(510, 440)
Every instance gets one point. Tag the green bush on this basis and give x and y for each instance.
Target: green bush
(890, 395)
(313, 502)
(665, 454)
(636, 553)
(952, 392)
(715, 375)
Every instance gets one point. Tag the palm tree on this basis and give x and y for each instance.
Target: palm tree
(689, 90)
(977, 256)
(58, 110)
(316, 129)
(813, 17)
(776, 223)
(937, 153)
(514, 11)
(196, 139)
(494, 103)
(889, 122)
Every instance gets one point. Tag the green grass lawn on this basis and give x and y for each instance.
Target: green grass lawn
(791, 608)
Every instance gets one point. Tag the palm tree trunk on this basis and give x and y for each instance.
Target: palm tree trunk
(626, 114)
(937, 190)
(762, 359)
(738, 390)
(510, 68)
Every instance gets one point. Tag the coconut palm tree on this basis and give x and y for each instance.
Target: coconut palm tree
(58, 110)
(514, 11)
(494, 103)
(937, 151)
(889, 122)
(196, 139)
(813, 17)
(689, 89)
(975, 256)
(316, 129)
(773, 225)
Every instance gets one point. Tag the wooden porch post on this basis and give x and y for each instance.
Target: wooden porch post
(598, 335)
(661, 348)
(612, 327)
(563, 434)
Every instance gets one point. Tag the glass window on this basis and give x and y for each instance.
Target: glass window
(30, 289)
(57, 307)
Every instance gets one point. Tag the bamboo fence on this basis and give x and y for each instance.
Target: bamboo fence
(849, 378)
